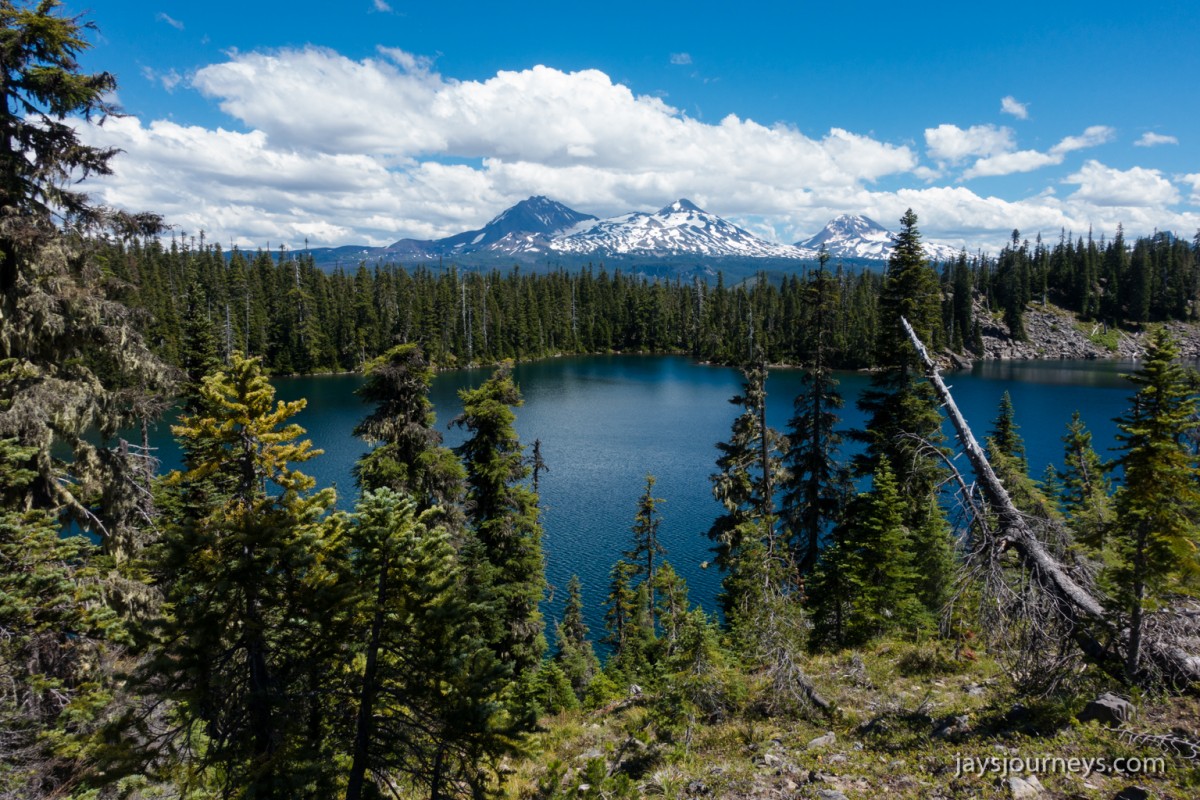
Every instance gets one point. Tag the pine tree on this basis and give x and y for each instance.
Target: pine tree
(72, 364)
(40, 151)
(504, 515)
(575, 654)
(646, 545)
(1155, 536)
(59, 643)
(1005, 437)
(427, 710)
(1085, 490)
(673, 605)
(963, 318)
(408, 457)
(904, 424)
(832, 585)
(867, 583)
(817, 483)
(239, 655)
(747, 548)
(620, 616)
(902, 410)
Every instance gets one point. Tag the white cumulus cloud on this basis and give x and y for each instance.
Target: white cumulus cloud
(1152, 139)
(1009, 105)
(344, 151)
(1030, 160)
(681, 59)
(950, 143)
(1194, 180)
(1135, 187)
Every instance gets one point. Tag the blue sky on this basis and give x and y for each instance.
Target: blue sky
(366, 121)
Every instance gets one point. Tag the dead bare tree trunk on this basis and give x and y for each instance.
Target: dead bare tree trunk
(1086, 614)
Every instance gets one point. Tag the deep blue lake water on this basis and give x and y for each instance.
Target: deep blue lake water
(607, 421)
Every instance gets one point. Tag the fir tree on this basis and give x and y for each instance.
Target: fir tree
(645, 538)
(408, 456)
(41, 153)
(504, 514)
(1005, 437)
(817, 483)
(673, 606)
(1155, 537)
(872, 582)
(902, 411)
(575, 654)
(73, 369)
(746, 537)
(59, 641)
(1085, 490)
(620, 616)
(427, 713)
(238, 653)
(904, 424)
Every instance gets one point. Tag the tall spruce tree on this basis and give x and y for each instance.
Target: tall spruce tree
(427, 714)
(504, 516)
(1158, 506)
(41, 152)
(903, 422)
(817, 483)
(646, 546)
(868, 583)
(251, 588)
(575, 654)
(408, 456)
(60, 639)
(73, 372)
(72, 364)
(1005, 438)
(748, 547)
(673, 605)
(1085, 493)
(620, 617)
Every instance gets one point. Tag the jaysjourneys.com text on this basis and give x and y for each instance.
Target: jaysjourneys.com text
(1049, 765)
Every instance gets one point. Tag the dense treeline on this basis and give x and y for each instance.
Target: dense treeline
(1155, 278)
(300, 318)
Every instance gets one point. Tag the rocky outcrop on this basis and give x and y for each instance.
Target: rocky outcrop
(1053, 333)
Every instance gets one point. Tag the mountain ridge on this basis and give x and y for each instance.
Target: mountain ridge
(539, 228)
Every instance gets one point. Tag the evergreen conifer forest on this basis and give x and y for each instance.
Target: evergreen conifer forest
(221, 631)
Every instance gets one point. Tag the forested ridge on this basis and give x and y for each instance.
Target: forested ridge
(302, 319)
(222, 632)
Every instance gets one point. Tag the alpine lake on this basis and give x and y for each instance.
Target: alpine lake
(605, 422)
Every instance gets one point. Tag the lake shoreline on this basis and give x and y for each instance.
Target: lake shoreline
(1052, 334)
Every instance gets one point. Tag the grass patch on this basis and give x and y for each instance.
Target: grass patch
(897, 735)
(1099, 334)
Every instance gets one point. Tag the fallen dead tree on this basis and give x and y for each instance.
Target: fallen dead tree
(1088, 622)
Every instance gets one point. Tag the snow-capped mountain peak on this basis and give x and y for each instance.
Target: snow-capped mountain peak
(680, 205)
(537, 214)
(538, 228)
(679, 229)
(856, 236)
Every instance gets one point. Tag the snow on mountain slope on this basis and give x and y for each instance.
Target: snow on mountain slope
(855, 236)
(522, 228)
(681, 228)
